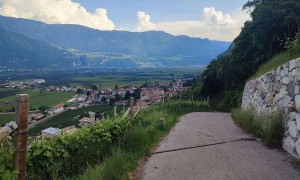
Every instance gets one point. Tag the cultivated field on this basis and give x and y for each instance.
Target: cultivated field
(71, 117)
(37, 98)
(5, 118)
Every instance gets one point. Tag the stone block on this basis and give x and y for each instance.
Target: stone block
(288, 144)
(295, 72)
(292, 65)
(297, 89)
(298, 121)
(297, 102)
(292, 128)
(297, 146)
(284, 72)
(285, 80)
(290, 89)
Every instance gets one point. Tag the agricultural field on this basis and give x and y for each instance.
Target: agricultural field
(5, 118)
(109, 80)
(37, 98)
(71, 117)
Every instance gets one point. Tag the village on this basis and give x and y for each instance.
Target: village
(144, 95)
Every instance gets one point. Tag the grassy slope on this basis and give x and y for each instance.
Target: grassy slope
(5, 118)
(37, 98)
(278, 60)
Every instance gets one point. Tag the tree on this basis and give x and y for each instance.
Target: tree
(274, 22)
(88, 93)
(103, 99)
(127, 95)
(79, 91)
(118, 97)
(137, 93)
(172, 75)
(94, 87)
(43, 108)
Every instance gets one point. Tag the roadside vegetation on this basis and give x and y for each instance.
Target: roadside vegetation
(107, 146)
(147, 129)
(293, 52)
(267, 126)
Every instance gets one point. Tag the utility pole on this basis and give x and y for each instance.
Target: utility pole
(20, 138)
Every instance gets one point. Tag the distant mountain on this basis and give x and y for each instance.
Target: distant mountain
(18, 51)
(118, 48)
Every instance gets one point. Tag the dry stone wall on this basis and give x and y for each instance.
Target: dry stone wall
(279, 89)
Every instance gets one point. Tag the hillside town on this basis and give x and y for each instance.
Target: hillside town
(144, 95)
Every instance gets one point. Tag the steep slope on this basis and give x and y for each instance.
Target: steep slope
(274, 28)
(157, 47)
(17, 51)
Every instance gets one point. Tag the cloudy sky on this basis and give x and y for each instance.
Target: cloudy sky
(213, 19)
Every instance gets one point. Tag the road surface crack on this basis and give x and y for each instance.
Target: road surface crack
(205, 145)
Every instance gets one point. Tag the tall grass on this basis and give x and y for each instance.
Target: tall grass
(267, 126)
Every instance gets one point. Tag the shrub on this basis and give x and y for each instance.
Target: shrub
(6, 160)
(68, 155)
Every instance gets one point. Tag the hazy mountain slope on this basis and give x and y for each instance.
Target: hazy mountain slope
(17, 51)
(158, 45)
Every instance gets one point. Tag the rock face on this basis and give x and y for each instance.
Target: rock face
(279, 89)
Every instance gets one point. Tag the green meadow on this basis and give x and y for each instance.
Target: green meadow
(37, 98)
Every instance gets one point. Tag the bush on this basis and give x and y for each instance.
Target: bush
(6, 160)
(267, 126)
(294, 46)
(69, 155)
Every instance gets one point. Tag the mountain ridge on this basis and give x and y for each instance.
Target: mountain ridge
(30, 52)
(151, 48)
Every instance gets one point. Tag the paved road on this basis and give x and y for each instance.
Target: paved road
(232, 160)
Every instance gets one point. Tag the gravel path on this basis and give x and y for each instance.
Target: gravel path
(210, 146)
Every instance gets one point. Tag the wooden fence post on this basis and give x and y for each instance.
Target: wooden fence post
(180, 97)
(115, 111)
(131, 110)
(20, 138)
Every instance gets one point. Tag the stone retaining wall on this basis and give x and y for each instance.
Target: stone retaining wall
(279, 89)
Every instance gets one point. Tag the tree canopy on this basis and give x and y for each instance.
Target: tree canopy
(273, 24)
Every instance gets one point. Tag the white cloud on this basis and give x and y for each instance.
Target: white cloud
(56, 12)
(213, 25)
(213, 17)
(144, 23)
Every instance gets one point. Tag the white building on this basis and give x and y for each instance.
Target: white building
(50, 132)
